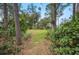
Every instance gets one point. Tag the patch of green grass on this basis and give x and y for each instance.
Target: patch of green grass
(37, 35)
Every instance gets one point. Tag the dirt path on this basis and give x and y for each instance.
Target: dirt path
(29, 48)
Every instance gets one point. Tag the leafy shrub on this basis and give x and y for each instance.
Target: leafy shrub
(1, 31)
(27, 36)
(65, 39)
(8, 45)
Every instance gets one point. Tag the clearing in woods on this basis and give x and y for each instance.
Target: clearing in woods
(37, 44)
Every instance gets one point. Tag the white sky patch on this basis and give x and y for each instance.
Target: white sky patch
(1, 14)
(67, 14)
(0, 18)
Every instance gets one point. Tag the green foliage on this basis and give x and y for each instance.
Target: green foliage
(23, 24)
(66, 50)
(65, 38)
(38, 35)
(44, 23)
(27, 35)
(1, 30)
(7, 46)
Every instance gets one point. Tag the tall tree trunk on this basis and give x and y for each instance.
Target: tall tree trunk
(17, 24)
(77, 8)
(5, 20)
(53, 16)
(74, 11)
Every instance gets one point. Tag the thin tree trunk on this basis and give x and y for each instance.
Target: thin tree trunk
(74, 11)
(53, 16)
(17, 24)
(5, 20)
(77, 7)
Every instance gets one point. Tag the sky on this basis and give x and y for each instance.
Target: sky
(1, 14)
(67, 12)
(42, 5)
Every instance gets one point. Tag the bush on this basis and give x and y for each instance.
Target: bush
(26, 36)
(7, 46)
(65, 39)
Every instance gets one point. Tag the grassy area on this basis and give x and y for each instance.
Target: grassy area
(32, 46)
(37, 35)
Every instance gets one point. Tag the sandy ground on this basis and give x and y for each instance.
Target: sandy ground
(36, 49)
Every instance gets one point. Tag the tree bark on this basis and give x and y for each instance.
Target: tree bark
(17, 24)
(77, 7)
(53, 16)
(5, 20)
(74, 11)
